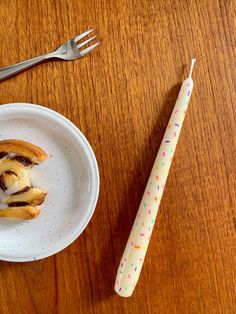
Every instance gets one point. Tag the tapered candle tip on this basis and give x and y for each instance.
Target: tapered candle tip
(191, 68)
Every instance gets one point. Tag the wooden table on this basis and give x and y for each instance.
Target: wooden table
(121, 97)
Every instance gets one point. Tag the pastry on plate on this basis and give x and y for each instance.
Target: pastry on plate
(22, 151)
(20, 212)
(16, 159)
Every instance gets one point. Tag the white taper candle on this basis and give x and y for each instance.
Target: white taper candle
(136, 247)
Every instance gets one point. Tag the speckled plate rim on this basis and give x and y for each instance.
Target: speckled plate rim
(94, 175)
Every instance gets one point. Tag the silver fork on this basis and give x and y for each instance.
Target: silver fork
(70, 50)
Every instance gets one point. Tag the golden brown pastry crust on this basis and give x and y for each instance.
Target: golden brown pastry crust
(25, 149)
(21, 212)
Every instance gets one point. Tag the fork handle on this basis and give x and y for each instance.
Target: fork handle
(14, 69)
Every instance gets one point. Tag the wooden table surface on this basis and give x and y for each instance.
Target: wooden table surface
(121, 97)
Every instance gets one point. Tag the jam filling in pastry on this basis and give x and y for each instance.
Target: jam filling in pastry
(16, 159)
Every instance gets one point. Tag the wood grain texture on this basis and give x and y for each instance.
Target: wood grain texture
(121, 97)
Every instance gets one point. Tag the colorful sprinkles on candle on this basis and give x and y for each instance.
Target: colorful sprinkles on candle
(138, 242)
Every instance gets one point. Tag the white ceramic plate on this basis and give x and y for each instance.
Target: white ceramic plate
(70, 176)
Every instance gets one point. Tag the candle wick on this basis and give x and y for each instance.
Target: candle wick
(191, 69)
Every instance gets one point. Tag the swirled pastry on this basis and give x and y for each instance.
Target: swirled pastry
(14, 176)
(16, 159)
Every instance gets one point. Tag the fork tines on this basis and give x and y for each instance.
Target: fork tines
(81, 36)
